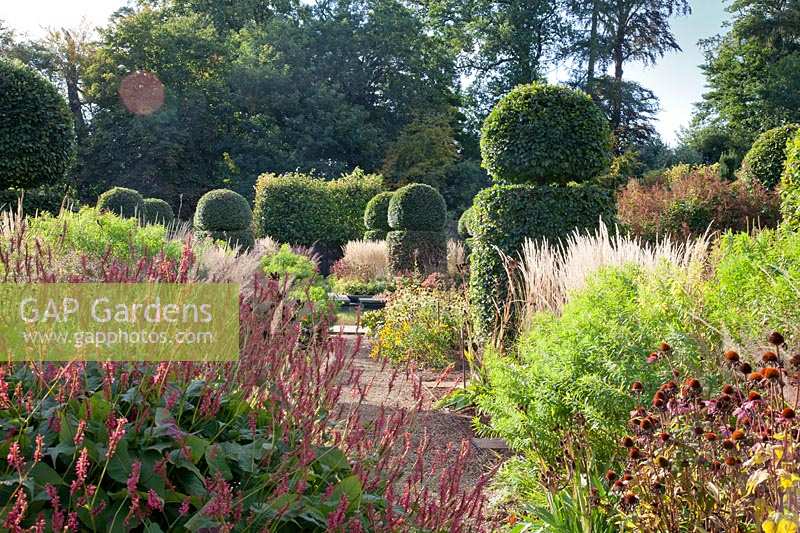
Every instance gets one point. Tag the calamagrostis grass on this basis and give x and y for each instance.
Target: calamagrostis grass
(367, 256)
(456, 257)
(544, 273)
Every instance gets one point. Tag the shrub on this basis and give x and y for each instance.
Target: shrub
(790, 184)
(765, 160)
(121, 201)
(583, 361)
(37, 137)
(157, 211)
(222, 210)
(421, 322)
(417, 251)
(417, 207)
(308, 211)
(742, 435)
(545, 134)
(95, 233)
(688, 200)
(465, 222)
(505, 215)
(300, 271)
(242, 238)
(376, 216)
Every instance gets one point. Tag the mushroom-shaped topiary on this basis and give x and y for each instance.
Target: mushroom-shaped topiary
(121, 201)
(417, 207)
(157, 211)
(765, 160)
(37, 137)
(222, 209)
(545, 134)
(224, 215)
(376, 216)
(417, 215)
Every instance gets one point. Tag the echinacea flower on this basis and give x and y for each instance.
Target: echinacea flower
(731, 356)
(775, 338)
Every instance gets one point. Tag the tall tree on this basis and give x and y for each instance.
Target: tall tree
(639, 31)
(752, 70)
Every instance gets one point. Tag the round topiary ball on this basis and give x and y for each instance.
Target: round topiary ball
(157, 211)
(37, 137)
(376, 214)
(764, 162)
(222, 210)
(121, 201)
(417, 207)
(543, 134)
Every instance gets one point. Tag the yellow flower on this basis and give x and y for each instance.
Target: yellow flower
(769, 526)
(786, 526)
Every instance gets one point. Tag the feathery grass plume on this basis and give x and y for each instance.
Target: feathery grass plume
(367, 256)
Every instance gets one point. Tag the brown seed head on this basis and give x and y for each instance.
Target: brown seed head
(775, 338)
(663, 462)
(627, 442)
(731, 356)
(753, 396)
(788, 413)
(755, 376)
(664, 347)
(728, 444)
(611, 476)
(771, 373)
(663, 436)
(728, 389)
(737, 435)
(637, 387)
(745, 368)
(731, 461)
(710, 436)
(769, 357)
(634, 453)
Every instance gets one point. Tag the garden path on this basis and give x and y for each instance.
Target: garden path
(442, 427)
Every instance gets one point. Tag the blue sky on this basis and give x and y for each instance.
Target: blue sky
(676, 79)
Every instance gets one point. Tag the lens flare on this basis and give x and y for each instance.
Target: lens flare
(142, 93)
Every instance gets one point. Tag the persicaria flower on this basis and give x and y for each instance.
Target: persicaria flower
(154, 501)
(81, 471)
(77, 440)
(116, 435)
(14, 457)
(37, 453)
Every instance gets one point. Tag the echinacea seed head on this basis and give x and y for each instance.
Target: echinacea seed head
(755, 376)
(710, 436)
(788, 413)
(769, 357)
(728, 444)
(732, 356)
(627, 442)
(771, 373)
(663, 436)
(775, 338)
(745, 368)
(698, 430)
(737, 435)
(637, 387)
(753, 396)
(663, 462)
(634, 453)
(611, 476)
(627, 476)
(664, 347)
(630, 499)
(731, 461)
(728, 389)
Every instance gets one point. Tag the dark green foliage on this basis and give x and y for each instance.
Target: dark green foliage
(121, 201)
(790, 184)
(505, 215)
(38, 200)
(37, 137)
(157, 211)
(376, 214)
(764, 162)
(222, 210)
(375, 234)
(417, 207)
(304, 210)
(417, 251)
(465, 223)
(545, 134)
(243, 238)
(729, 163)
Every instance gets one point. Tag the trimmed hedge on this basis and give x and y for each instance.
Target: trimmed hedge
(37, 137)
(376, 214)
(544, 134)
(375, 235)
(417, 251)
(505, 215)
(465, 222)
(121, 201)
(417, 207)
(243, 237)
(765, 160)
(304, 210)
(222, 210)
(790, 184)
(157, 211)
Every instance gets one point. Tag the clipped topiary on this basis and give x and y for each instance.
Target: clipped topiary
(224, 215)
(545, 134)
(121, 201)
(465, 223)
(37, 137)
(376, 216)
(417, 251)
(765, 160)
(222, 210)
(790, 184)
(417, 242)
(157, 211)
(242, 238)
(417, 207)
